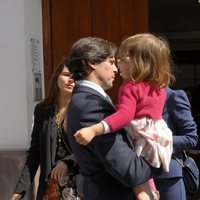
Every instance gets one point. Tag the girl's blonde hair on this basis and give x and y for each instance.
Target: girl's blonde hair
(150, 59)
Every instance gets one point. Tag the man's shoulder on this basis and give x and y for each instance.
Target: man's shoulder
(84, 90)
(86, 95)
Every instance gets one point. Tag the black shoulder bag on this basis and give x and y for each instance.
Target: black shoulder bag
(190, 173)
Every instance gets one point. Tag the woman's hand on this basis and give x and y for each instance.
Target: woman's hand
(16, 197)
(59, 171)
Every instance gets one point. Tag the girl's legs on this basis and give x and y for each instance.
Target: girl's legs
(142, 191)
(153, 189)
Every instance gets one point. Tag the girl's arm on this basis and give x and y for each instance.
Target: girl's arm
(122, 117)
(85, 135)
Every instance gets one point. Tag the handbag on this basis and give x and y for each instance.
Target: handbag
(51, 192)
(66, 189)
(190, 173)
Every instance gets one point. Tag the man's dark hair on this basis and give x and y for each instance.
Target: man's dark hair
(92, 49)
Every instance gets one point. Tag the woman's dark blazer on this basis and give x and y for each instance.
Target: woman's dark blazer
(177, 114)
(41, 152)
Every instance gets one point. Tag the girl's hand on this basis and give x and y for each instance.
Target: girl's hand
(16, 197)
(59, 171)
(84, 135)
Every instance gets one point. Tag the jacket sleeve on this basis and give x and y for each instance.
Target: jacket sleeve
(70, 161)
(185, 130)
(33, 158)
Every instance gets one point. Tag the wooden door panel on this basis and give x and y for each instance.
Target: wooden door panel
(98, 18)
(140, 19)
(70, 21)
(126, 18)
(133, 17)
(65, 21)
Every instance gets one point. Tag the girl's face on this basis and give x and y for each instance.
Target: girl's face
(123, 65)
(65, 82)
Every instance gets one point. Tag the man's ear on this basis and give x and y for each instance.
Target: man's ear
(92, 64)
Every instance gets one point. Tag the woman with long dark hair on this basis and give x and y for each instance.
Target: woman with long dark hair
(49, 147)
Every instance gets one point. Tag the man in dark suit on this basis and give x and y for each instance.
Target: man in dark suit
(108, 163)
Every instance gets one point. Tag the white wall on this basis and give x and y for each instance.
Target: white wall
(20, 20)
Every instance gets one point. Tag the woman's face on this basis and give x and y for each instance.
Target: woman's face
(65, 82)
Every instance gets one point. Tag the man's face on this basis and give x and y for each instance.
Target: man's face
(105, 73)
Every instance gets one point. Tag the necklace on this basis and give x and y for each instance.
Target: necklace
(59, 119)
(62, 144)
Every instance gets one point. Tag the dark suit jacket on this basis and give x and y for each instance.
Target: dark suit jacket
(41, 152)
(108, 164)
(177, 114)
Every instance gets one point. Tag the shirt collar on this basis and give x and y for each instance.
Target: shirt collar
(92, 85)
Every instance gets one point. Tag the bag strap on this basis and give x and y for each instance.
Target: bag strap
(185, 154)
(179, 160)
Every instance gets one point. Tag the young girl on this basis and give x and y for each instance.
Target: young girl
(144, 62)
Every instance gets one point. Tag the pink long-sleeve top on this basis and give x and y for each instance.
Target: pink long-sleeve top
(136, 100)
